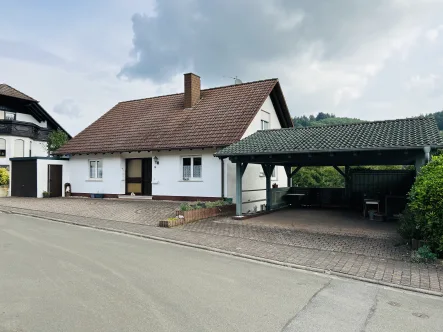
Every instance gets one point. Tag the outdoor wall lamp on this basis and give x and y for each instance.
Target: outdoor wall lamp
(156, 160)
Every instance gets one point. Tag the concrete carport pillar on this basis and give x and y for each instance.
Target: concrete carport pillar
(268, 169)
(240, 170)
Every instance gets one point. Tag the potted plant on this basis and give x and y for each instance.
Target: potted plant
(4, 182)
(275, 185)
(46, 194)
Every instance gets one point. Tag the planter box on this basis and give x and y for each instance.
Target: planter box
(4, 191)
(194, 215)
(97, 195)
(185, 217)
(171, 223)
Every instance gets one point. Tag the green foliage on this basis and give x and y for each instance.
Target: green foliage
(203, 205)
(56, 140)
(185, 207)
(318, 177)
(426, 202)
(439, 118)
(424, 255)
(407, 226)
(4, 177)
(46, 194)
(322, 119)
(172, 219)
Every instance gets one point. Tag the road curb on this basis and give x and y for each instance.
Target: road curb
(236, 254)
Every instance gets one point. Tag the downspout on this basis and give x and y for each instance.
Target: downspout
(222, 178)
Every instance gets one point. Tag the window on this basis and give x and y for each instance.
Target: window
(191, 168)
(273, 175)
(2, 147)
(9, 115)
(95, 169)
(19, 148)
(264, 125)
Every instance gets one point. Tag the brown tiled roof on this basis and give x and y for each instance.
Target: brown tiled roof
(9, 91)
(219, 118)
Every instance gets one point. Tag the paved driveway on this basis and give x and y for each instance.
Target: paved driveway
(139, 212)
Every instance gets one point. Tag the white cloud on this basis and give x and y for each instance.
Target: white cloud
(433, 34)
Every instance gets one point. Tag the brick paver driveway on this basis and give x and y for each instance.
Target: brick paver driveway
(145, 212)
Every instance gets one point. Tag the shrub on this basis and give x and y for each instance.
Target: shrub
(203, 205)
(426, 203)
(185, 207)
(408, 227)
(4, 177)
(424, 255)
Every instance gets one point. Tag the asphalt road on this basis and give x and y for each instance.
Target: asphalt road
(58, 277)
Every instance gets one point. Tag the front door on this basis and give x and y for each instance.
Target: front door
(139, 176)
(55, 184)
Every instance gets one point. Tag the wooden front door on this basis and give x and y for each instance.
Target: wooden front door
(55, 185)
(139, 176)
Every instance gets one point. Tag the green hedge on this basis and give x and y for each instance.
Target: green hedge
(426, 204)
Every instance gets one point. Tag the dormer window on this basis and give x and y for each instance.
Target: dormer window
(10, 115)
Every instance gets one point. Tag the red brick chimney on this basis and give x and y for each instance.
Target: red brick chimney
(192, 90)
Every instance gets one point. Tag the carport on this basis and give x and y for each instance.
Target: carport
(392, 142)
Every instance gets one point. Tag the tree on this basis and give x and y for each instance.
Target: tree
(56, 140)
(318, 177)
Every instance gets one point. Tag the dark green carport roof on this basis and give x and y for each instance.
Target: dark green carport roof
(404, 134)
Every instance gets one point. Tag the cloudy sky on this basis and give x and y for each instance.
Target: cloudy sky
(378, 59)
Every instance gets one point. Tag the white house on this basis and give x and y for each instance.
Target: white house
(24, 126)
(163, 147)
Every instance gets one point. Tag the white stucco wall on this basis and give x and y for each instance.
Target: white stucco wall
(38, 148)
(253, 178)
(168, 180)
(113, 181)
(42, 174)
(167, 177)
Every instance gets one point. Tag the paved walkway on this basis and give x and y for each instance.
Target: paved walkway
(377, 260)
(140, 212)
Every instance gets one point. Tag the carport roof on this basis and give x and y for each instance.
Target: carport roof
(401, 134)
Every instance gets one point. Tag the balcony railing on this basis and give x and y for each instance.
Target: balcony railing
(24, 129)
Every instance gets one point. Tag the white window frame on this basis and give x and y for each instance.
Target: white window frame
(262, 125)
(14, 117)
(5, 143)
(96, 175)
(191, 178)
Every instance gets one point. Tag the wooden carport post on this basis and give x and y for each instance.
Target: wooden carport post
(290, 174)
(346, 176)
(240, 170)
(268, 169)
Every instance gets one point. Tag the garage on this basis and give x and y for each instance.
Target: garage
(34, 176)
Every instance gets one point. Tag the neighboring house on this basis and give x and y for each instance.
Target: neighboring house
(164, 146)
(24, 126)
